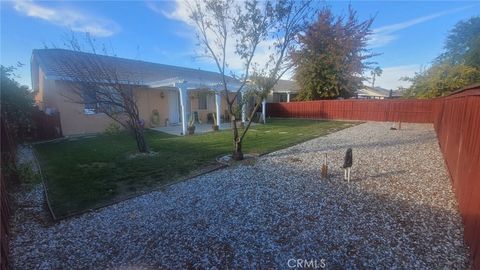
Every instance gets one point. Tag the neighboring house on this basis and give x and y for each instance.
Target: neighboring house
(173, 93)
(283, 91)
(368, 92)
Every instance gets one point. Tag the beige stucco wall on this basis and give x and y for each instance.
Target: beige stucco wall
(58, 95)
(202, 113)
(73, 120)
(40, 94)
(149, 100)
(211, 108)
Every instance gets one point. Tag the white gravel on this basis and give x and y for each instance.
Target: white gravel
(398, 212)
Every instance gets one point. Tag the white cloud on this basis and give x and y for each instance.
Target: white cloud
(71, 19)
(384, 35)
(180, 12)
(390, 78)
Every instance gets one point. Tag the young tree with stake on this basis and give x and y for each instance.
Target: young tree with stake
(228, 30)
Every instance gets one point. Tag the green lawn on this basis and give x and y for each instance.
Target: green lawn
(88, 172)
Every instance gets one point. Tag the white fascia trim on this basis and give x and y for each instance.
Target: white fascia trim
(171, 82)
(71, 79)
(193, 84)
(284, 92)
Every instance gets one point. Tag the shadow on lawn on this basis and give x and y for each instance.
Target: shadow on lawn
(120, 179)
(98, 171)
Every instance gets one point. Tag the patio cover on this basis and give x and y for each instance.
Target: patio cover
(64, 65)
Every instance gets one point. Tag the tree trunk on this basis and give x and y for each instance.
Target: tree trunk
(237, 142)
(140, 138)
(237, 153)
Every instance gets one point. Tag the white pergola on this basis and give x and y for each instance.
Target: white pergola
(186, 85)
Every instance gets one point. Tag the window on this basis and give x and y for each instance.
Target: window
(102, 100)
(90, 102)
(202, 101)
(109, 101)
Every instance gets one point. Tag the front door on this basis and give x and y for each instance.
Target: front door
(174, 107)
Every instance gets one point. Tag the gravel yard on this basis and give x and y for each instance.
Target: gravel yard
(397, 212)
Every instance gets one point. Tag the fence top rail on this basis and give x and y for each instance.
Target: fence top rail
(473, 90)
(356, 100)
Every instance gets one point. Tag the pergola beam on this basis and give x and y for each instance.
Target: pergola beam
(184, 86)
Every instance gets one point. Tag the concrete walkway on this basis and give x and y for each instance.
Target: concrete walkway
(199, 128)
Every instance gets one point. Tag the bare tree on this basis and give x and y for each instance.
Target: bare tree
(101, 87)
(223, 25)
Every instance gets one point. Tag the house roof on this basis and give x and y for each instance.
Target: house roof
(286, 86)
(61, 64)
(373, 92)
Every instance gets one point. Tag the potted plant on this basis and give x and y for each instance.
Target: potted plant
(215, 124)
(191, 125)
(155, 119)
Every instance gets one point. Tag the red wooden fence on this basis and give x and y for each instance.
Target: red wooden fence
(5, 216)
(456, 119)
(8, 149)
(46, 126)
(457, 123)
(415, 111)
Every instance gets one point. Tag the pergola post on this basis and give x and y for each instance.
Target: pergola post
(244, 108)
(244, 113)
(264, 111)
(182, 89)
(218, 104)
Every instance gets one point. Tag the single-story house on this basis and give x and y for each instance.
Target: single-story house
(283, 91)
(171, 93)
(368, 92)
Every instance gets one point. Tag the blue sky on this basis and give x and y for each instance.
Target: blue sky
(408, 34)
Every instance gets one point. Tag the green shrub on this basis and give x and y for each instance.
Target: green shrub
(113, 128)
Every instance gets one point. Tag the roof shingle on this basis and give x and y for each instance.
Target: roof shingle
(61, 64)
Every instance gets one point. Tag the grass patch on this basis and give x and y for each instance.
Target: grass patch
(87, 172)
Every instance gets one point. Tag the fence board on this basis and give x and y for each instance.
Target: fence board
(456, 120)
(46, 126)
(457, 123)
(8, 149)
(414, 111)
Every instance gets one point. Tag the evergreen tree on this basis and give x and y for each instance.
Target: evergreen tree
(332, 56)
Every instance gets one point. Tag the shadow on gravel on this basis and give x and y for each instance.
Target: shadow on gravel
(257, 222)
(389, 174)
(347, 225)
